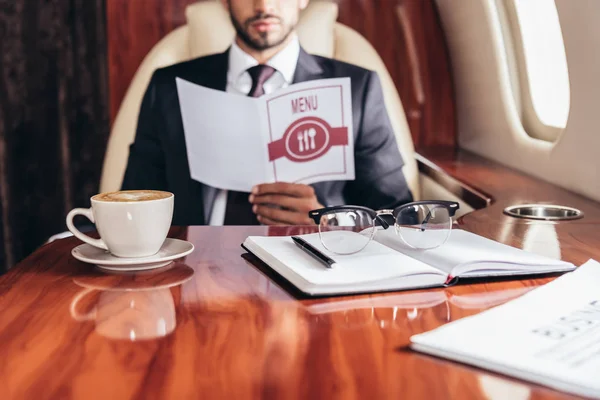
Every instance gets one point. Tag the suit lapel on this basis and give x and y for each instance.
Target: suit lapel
(308, 68)
(217, 76)
(210, 72)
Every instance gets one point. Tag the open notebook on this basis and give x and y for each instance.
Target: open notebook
(386, 264)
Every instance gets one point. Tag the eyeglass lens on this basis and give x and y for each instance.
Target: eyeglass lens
(423, 226)
(338, 229)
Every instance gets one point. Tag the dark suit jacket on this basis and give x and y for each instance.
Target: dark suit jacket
(158, 158)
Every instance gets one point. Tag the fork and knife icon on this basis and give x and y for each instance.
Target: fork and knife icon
(304, 137)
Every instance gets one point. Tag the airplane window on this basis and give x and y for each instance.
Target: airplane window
(543, 67)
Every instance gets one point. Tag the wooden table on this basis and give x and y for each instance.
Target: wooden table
(218, 325)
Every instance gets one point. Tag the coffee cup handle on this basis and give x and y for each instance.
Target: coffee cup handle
(82, 317)
(86, 212)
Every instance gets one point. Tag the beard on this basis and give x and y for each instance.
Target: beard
(265, 40)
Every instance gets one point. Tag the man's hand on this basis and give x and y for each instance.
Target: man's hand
(283, 203)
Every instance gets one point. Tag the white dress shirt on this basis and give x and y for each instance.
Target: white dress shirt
(240, 82)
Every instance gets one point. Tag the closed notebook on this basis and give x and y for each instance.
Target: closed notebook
(386, 264)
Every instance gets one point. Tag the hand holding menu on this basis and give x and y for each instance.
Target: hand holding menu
(549, 336)
(301, 134)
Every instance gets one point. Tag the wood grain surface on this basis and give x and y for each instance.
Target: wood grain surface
(218, 324)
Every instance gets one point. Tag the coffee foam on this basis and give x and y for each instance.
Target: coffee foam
(132, 196)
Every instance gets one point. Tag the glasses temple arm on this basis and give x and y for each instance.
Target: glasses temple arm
(452, 211)
(382, 221)
(425, 221)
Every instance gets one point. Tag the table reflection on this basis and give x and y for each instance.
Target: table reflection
(385, 311)
(129, 305)
(400, 311)
(496, 388)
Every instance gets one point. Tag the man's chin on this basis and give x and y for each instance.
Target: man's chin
(264, 43)
(270, 36)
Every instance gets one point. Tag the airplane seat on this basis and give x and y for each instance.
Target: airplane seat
(209, 30)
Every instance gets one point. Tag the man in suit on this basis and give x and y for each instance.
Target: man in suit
(264, 57)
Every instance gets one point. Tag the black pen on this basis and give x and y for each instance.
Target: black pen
(315, 253)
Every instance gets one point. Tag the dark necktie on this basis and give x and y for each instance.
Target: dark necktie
(239, 209)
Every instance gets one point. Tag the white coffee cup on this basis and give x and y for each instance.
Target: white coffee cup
(131, 223)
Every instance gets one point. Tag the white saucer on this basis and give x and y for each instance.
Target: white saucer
(170, 250)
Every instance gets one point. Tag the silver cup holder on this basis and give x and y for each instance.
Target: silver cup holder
(545, 212)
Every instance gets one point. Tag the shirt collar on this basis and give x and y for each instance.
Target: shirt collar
(284, 61)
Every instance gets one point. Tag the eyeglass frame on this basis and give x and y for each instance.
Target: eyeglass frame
(451, 206)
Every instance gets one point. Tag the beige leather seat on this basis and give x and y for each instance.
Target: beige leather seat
(209, 30)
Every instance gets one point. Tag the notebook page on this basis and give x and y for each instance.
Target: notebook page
(550, 335)
(374, 263)
(465, 253)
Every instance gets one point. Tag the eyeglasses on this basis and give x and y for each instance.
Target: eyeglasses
(421, 225)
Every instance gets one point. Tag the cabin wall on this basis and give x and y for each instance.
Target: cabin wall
(488, 114)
